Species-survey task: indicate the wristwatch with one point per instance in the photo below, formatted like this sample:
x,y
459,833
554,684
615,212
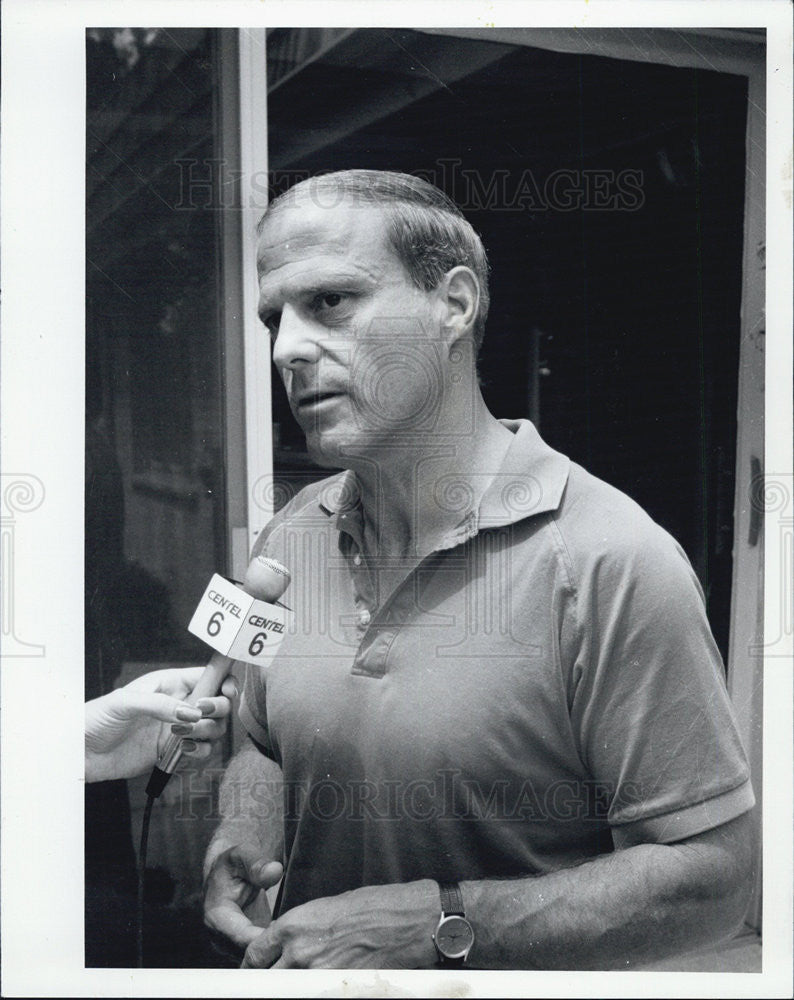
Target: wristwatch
x,y
454,935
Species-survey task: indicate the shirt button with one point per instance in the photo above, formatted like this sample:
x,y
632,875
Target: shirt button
x,y
364,617
356,559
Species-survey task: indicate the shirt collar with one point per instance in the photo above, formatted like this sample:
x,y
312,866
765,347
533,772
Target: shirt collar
x,y
530,481
340,493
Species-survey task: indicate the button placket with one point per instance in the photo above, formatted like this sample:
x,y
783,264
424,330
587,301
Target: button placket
x,y
379,627
384,628
364,588
350,541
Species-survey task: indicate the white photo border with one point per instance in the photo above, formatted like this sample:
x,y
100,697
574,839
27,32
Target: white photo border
x,y
42,426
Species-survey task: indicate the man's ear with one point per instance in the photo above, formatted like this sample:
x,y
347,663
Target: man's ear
x,y
461,299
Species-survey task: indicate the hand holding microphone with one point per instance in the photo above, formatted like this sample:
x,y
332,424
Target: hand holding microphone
x,y
123,726
265,580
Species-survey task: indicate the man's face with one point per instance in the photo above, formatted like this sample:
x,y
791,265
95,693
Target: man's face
x,y
354,340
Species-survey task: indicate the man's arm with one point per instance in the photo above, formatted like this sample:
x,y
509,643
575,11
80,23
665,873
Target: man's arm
x,y
618,911
621,910
244,855
251,806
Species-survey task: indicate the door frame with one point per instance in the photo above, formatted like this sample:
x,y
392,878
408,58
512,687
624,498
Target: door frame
x,y
249,438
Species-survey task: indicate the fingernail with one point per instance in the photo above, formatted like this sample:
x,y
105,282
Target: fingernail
x,y
189,746
188,713
181,730
205,705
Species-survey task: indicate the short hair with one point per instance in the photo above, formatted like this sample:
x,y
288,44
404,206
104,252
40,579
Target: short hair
x,y
426,229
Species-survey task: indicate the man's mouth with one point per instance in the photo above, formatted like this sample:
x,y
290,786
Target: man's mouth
x,y
309,400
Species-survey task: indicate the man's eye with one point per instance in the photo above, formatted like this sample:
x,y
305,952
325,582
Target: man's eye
x,y
328,300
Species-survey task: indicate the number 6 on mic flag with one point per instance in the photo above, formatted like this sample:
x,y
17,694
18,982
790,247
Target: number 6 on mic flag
x,y
238,625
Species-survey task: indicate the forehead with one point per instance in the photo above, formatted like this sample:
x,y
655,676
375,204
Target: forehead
x,y
305,229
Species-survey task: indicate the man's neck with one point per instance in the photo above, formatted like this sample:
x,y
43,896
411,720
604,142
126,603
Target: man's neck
x,y
413,496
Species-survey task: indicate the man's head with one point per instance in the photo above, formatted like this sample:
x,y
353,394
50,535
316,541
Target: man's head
x,y
426,229
372,306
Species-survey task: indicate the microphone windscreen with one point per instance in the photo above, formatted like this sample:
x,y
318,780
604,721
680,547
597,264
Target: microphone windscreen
x,y
266,579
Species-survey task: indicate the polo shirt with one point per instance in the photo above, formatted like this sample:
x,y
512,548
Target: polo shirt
x,y
542,688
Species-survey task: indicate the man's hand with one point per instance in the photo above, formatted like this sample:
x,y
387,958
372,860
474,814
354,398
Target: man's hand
x,y
376,927
235,904
125,730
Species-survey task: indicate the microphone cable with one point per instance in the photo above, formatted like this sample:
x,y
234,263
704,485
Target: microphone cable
x,y
265,580
147,815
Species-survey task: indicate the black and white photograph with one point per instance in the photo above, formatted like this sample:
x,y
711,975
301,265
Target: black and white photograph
x,y
408,465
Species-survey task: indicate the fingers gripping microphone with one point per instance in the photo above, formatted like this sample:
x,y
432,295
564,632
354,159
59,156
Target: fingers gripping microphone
x,y
265,580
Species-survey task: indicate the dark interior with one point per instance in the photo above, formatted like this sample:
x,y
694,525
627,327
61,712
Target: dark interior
x,y
609,195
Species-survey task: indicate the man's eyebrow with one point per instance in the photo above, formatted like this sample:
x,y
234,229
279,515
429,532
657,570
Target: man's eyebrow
x,y
313,283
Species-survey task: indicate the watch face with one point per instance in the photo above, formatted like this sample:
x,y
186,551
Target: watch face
x,y
454,937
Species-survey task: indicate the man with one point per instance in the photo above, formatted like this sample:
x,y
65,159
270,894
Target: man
x,y
498,729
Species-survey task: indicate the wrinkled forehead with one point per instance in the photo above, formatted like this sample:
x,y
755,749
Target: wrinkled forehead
x,y
304,225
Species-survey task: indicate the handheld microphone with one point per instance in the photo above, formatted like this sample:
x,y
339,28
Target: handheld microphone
x,y
266,580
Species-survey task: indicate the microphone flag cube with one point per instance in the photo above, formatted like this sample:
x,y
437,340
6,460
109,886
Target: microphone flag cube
x,y
238,625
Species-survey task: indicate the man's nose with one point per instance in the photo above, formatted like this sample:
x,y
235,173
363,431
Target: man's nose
x,y
297,342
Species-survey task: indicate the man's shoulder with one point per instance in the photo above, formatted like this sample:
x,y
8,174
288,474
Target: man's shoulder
x,y
602,527
312,504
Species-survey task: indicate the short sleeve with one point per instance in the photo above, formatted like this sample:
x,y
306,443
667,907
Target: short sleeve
x,y
253,707
253,701
650,708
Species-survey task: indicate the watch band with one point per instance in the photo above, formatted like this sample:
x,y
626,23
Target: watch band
x,y
451,899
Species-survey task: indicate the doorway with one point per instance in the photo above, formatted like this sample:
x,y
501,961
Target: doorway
x,y
610,197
